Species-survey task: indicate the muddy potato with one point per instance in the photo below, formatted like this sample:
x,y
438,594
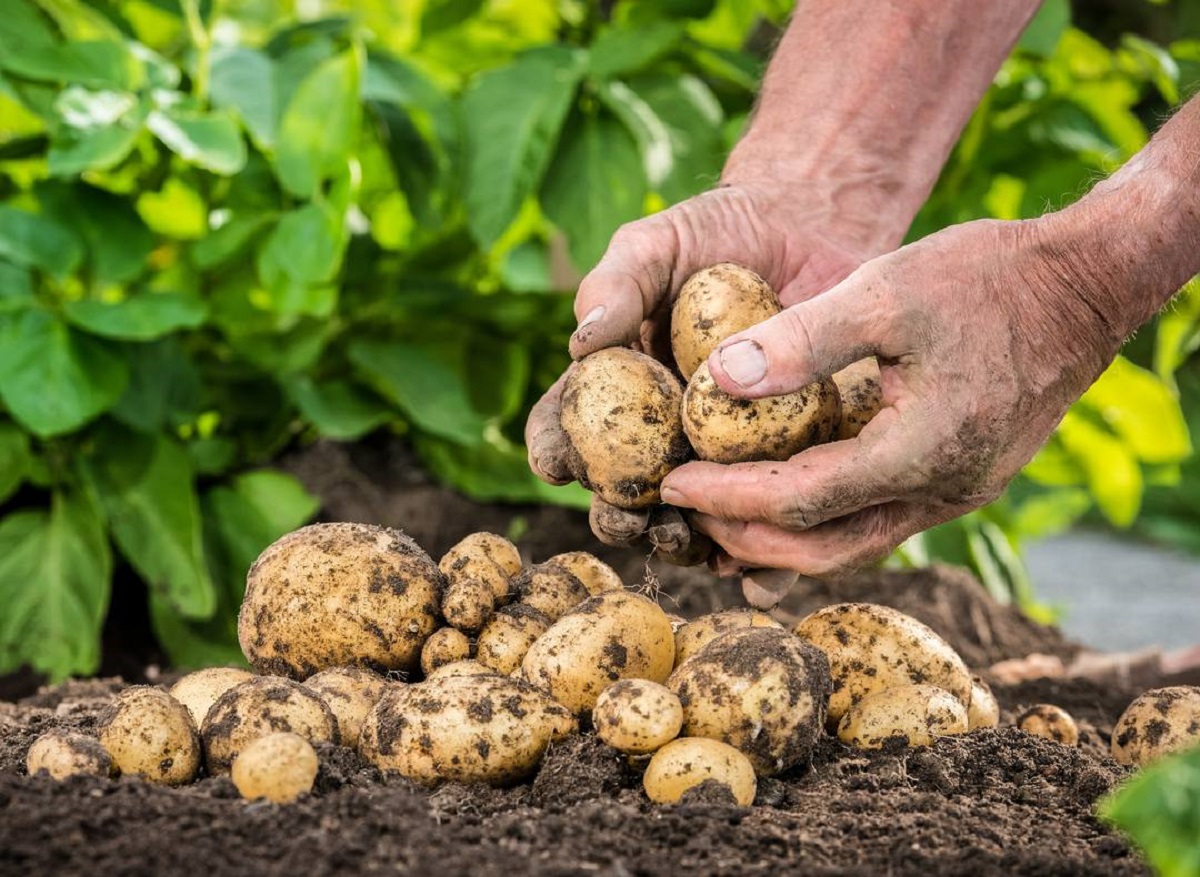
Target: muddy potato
x,y
685,763
1049,721
486,729
279,767
505,639
872,648
1158,722
699,632
485,558
350,693
725,429
614,635
713,304
596,575
61,754
468,604
261,706
637,716
333,595
860,390
150,734
549,588
469,667
620,409
198,691
918,713
982,711
444,646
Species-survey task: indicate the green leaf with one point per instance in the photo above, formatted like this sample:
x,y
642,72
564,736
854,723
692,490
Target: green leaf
x,y
164,387
338,409
594,185
52,378
98,64
651,133
442,15
57,570
623,50
1137,406
142,317
494,471
305,248
175,211
1113,475
118,242
97,149
693,117
513,117
1047,27
223,244
16,288
320,125
15,458
1050,513
208,140
243,81
38,242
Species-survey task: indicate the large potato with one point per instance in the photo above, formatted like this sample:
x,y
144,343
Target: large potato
x,y
620,409
485,558
198,691
727,429
713,304
699,632
918,714
860,390
483,729
871,648
614,635
60,754
350,693
758,689
150,734
1158,722
685,763
333,595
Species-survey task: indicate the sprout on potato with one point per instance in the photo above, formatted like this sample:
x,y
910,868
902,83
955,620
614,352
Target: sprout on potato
x,y
1156,723
350,693
199,690
685,763
1049,721
916,714
60,754
279,767
150,734
637,716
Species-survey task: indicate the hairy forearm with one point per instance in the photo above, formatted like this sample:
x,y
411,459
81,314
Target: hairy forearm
x,y
867,98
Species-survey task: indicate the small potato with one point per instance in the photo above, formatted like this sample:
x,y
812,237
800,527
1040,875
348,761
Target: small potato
x,y
713,304
727,429
350,693
334,595
461,668
445,646
685,763
614,635
699,632
983,711
261,706
917,713
150,734
620,410
1158,722
481,729
61,754
549,588
485,558
872,648
279,767
505,639
861,392
1049,721
758,689
198,691
468,604
637,716
596,575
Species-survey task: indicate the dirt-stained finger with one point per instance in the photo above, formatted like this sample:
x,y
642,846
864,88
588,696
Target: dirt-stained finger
x,y
765,588
621,528
674,539
549,448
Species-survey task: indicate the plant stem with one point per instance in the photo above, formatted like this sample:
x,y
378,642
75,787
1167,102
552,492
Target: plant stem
x,y
202,40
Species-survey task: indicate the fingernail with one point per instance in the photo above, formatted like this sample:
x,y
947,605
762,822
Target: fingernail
x,y
671,496
595,315
744,362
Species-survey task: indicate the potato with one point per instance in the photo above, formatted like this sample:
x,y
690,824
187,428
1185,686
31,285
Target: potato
x,y
468,604
637,716
549,588
699,632
1158,722
485,558
483,729
620,409
279,767
918,714
350,693
333,595
61,754
614,635
685,763
1049,721
150,734
596,575
461,668
261,706
198,691
727,429
982,711
713,304
860,390
871,648
758,689
508,636
444,646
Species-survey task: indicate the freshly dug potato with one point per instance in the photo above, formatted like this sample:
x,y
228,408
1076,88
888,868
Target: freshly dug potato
x,y
444,646
198,691
508,636
468,604
549,588
1049,721
279,767
614,635
61,754
483,729
872,648
261,706
687,762
699,632
983,711
461,668
1158,722
483,557
861,392
620,409
758,689
918,713
726,429
713,304
333,595
596,575
350,693
150,734
637,716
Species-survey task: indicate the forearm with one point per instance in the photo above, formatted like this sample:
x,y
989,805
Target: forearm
x,y
869,97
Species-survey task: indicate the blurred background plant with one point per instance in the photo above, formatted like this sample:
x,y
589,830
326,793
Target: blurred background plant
x,y
230,228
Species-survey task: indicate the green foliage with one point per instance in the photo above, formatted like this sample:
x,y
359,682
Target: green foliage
x,y
1159,810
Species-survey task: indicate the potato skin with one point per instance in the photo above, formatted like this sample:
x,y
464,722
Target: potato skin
x,y
482,557
549,588
685,763
873,647
637,716
487,729
334,595
150,734
713,304
350,693
468,604
596,575
918,713
726,429
506,639
279,767
444,646
469,667
61,754
983,711
860,389
199,690
1050,721
620,409
699,632
1156,723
